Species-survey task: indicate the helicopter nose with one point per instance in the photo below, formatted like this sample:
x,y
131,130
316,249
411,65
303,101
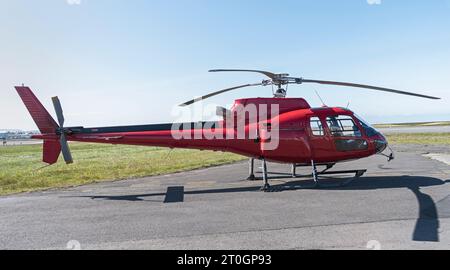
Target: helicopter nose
x,y
380,143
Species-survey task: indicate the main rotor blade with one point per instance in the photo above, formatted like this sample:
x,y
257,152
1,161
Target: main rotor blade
x,y
58,110
65,149
271,75
217,93
368,87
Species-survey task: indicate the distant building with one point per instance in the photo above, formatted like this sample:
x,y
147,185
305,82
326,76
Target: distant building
x,y
16,134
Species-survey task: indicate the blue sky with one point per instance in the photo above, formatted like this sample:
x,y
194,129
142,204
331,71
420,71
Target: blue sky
x,y
129,62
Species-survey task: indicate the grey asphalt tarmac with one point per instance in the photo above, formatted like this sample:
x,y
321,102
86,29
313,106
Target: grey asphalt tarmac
x,y
404,204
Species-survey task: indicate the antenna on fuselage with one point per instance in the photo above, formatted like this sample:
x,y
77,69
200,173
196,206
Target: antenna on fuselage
x,y
321,100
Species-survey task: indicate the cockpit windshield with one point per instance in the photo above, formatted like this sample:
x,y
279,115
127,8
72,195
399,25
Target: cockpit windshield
x,y
370,131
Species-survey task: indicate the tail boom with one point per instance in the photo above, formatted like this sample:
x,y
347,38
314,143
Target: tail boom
x,y
197,133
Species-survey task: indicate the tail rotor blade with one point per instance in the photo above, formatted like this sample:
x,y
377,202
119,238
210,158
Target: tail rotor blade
x,y
58,110
63,140
65,149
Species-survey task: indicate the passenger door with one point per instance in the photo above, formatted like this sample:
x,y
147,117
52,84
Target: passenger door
x,y
319,140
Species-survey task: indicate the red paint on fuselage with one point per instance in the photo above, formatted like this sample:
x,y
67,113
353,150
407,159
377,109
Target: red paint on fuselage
x,y
296,141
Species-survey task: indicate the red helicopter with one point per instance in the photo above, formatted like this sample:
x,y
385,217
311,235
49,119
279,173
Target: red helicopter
x,y
305,136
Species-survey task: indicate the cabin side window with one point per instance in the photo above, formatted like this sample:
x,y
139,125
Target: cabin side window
x,y
316,126
343,126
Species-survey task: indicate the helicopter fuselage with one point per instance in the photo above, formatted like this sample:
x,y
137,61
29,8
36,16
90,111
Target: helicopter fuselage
x,y
299,133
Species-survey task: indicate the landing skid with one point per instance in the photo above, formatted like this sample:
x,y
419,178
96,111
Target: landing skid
x,y
318,184
315,177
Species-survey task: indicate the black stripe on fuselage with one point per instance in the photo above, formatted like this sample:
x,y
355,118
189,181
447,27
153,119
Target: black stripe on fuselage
x,y
140,128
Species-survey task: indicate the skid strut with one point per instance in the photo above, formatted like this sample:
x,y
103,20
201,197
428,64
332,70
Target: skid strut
x,y
251,169
293,170
314,174
266,186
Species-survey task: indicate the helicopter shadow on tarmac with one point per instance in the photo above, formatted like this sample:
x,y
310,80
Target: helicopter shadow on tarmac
x,y
427,224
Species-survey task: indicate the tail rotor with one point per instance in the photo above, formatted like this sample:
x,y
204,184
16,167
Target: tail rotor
x,y
63,140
